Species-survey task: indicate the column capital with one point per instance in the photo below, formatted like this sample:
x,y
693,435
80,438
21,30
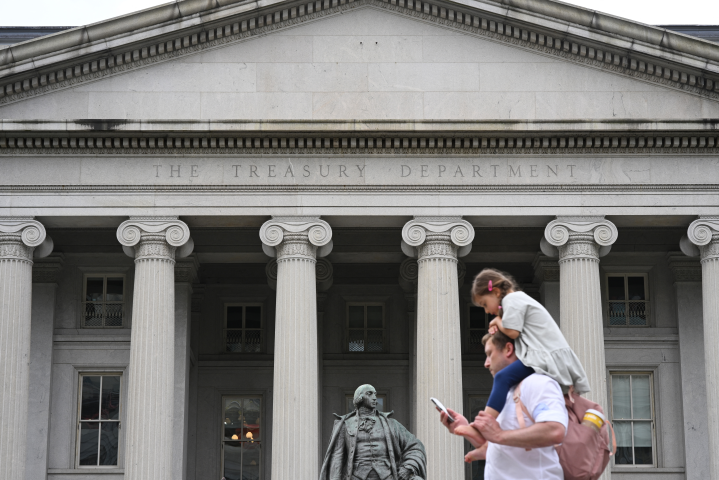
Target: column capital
x,y
546,269
186,269
296,237
324,274
590,236
23,238
155,237
45,270
702,238
437,237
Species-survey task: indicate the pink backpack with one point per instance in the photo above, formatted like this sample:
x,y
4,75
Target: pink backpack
x,y
584,454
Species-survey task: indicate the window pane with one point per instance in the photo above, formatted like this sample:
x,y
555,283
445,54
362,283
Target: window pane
x,y
253,341
356,316
356,338
109,440
253,317
641,398
93,315
114,289
380,403
623,431
110,407
233,341
616,288
621,402
476,318
233,418
113,315
475,341
374,341
93,290
635,286
637,313
233,460
374,316
90,408
252,419
643,443
617,313
234,317
88,443
350,404
250,460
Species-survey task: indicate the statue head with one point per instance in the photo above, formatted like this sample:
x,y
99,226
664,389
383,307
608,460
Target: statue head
x,y
365,396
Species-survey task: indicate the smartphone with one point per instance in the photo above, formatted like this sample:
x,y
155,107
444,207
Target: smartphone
x,y
439,405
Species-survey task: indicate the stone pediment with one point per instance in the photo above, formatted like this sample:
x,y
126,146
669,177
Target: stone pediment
x,y
325,60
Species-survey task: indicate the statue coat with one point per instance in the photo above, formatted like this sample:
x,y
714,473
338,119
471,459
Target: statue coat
x,y
405,450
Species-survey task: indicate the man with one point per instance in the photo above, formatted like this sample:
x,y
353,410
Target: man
x,y
368,445
512,452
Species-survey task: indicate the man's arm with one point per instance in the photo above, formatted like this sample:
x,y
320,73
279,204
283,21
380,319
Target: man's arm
x,y
539,435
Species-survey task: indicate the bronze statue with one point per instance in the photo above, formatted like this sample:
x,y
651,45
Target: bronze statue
x,y
368,445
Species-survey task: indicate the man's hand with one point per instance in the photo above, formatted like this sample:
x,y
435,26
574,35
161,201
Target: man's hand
x,y
488,427
405,473
459,420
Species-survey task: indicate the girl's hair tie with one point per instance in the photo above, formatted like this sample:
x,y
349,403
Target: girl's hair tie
x,y
490,286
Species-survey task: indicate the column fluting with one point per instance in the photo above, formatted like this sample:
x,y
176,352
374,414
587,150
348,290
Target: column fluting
x,y
150,400
296,242
704,233
435,242
18,239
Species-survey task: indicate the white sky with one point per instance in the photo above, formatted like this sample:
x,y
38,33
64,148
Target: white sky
x,y
83,12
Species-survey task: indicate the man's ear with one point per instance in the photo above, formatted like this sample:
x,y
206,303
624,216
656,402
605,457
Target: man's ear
x,y
508,349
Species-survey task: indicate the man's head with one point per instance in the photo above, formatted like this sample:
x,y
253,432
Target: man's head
x,y
365,396
500,352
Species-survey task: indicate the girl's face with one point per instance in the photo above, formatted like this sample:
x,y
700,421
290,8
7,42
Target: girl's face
x,y
489,302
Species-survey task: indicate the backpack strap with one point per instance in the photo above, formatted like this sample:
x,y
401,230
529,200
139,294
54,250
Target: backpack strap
x,y
612,440
520,408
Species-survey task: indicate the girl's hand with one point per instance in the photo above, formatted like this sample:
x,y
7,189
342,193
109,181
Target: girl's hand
x,y
494,325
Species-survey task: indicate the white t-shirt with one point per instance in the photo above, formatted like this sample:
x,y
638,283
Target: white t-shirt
x,y
543,398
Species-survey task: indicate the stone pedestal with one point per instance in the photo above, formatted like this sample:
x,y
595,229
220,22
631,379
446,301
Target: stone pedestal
x,y
687,273
581,241
297,242
18,239
436,243
149,436
704,233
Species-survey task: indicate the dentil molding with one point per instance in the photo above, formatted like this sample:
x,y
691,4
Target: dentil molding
x,y
448,236
291,236
587,236
23,238
155,237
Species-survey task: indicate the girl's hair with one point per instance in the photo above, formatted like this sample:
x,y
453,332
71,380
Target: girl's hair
x,y
501,281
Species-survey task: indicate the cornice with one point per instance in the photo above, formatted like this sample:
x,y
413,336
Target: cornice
x,y
369,143
679,62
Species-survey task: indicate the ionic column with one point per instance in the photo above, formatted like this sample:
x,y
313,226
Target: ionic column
x,y
581,241
19,236
297,242
436,243
704,233
149,437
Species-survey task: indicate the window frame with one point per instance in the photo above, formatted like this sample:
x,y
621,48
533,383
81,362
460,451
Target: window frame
x,y
652,421
105,275
78,414
365,304
469,328
647,298
263,333
263,435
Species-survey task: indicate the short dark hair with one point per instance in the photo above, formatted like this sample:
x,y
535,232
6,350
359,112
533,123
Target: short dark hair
x,y
499,339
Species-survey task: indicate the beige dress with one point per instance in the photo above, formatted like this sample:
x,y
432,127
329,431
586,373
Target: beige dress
x,y
540,344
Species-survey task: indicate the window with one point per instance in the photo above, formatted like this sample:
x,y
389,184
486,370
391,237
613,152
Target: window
x,y
633,418
365,327
381,403
478,328
104,301
241,437
476,404
243,328
99,420
627,300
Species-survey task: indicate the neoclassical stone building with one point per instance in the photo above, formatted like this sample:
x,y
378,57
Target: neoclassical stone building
x,y
219,217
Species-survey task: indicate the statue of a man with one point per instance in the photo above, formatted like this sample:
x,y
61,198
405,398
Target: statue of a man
x,y
368,445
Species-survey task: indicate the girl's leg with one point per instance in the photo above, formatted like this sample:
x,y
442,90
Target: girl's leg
x,y
505,379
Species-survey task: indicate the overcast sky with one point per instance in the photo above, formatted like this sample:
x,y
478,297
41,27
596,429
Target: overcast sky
x,y
83,12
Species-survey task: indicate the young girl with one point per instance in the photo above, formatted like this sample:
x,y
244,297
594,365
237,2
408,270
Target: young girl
x,y
538,342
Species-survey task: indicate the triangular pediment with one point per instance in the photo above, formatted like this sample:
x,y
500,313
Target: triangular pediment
x,y
366,59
